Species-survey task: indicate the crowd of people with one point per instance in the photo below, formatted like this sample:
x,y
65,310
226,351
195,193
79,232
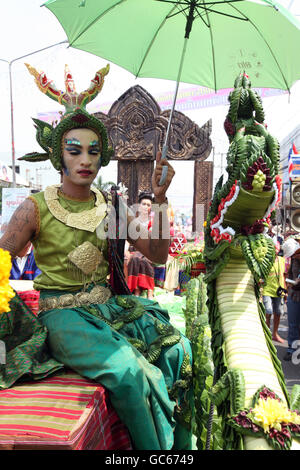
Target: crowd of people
x,y
281,290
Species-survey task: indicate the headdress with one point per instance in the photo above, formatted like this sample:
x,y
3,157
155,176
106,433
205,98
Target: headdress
x,y
75,116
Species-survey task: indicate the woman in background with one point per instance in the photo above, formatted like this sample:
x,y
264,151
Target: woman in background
x,y
140,269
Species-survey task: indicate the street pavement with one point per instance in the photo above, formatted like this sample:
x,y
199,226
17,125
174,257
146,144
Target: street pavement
x,y
291,369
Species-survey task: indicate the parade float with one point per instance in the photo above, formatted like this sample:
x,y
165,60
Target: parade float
x,y
248,387
240,392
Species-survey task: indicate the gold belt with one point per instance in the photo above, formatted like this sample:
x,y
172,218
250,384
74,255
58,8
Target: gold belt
x,y
98,295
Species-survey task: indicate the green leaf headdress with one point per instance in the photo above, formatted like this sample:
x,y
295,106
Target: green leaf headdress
x,y
75,116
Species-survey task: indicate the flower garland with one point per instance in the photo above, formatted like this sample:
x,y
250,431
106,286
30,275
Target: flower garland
x,y
218,232
6,292
276,199
270,417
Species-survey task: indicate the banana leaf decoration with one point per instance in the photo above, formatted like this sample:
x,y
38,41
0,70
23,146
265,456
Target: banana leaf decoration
x,y
44,138
239,255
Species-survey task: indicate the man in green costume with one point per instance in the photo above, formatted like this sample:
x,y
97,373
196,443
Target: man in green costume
x,y
95,328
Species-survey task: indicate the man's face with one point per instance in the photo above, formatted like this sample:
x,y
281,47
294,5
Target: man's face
x,y
81,156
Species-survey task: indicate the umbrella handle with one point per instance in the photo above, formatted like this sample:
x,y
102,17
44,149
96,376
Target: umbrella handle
x,y
165,167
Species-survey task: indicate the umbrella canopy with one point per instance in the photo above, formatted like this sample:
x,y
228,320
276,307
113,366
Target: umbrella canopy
x,y
147,37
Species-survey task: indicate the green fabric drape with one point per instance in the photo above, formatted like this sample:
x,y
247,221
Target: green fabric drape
x,y
82,339
25,341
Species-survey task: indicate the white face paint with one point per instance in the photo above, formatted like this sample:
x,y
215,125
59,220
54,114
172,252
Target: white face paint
x,y
81,156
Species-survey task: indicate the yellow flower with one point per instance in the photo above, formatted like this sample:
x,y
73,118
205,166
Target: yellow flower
x,y
270,413
6,292
295,418
5,265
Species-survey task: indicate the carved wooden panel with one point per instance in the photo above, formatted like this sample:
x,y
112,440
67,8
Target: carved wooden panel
x,y
188,141
203,186
137,128
134,125
134,175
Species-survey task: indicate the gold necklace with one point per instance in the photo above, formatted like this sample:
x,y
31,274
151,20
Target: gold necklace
x,y
85,258
86,220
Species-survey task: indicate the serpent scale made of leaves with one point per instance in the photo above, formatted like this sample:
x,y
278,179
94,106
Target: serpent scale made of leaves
x,y
238,255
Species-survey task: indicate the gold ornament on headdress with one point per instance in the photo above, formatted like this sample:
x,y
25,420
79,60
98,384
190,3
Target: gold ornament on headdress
x,y
69,98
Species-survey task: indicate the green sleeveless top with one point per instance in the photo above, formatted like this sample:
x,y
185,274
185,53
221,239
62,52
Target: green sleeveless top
x,y
54,241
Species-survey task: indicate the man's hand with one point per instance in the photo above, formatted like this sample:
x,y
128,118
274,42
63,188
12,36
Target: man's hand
x,y
160,191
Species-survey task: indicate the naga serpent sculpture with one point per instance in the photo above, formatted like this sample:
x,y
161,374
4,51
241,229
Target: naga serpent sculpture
x,y
249,389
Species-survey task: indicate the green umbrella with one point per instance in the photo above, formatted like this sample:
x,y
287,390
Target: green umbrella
x,y
204,42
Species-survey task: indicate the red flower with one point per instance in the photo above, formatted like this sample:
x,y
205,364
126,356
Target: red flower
x,y
294,428
214,220
226,236
266,393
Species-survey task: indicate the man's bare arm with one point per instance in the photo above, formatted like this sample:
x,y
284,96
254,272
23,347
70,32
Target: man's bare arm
x,y
156,247
20,229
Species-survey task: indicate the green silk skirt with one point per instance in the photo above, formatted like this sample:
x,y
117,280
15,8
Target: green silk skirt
x,y
129,346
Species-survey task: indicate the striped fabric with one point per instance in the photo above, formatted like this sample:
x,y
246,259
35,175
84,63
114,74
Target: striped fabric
x,y
31,299
64,411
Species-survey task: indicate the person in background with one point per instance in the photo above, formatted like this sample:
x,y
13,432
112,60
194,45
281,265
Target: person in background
x,y
274,291
140,270
178,240
24,266
291,249
276,234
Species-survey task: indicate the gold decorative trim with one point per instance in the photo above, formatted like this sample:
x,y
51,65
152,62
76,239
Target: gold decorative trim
x,y
98,295
75,199
86,257
86,220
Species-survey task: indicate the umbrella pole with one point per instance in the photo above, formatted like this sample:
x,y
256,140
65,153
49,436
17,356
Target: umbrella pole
x,y
165,146
188,27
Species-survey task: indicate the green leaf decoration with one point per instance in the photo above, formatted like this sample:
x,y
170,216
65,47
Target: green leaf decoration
x,y
43,133
35,157
259,252
295,398
231,384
